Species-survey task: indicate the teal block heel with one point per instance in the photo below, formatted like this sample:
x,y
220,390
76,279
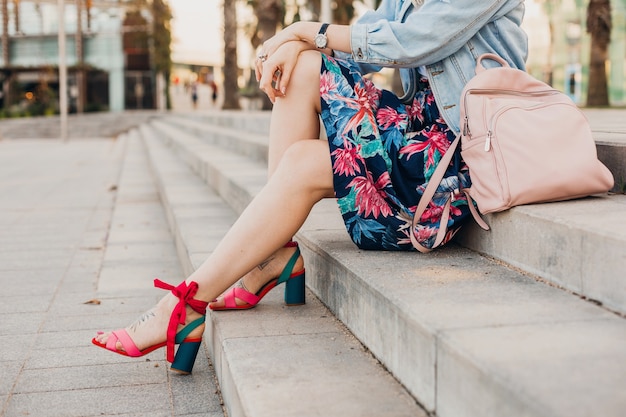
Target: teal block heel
x,y
295,290
294,287
186,357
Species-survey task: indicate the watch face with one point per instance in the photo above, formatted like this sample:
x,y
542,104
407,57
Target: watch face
x,y
320,41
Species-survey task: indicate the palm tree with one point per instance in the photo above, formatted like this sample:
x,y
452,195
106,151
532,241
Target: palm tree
x,y
343,11
231,71
269,14
550,7
80,59
599,27
5,51
162,40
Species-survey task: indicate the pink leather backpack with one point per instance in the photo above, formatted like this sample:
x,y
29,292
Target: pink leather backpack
x,y
523,141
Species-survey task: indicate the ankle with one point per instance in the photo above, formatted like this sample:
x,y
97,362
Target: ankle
x,y
168,303
271,268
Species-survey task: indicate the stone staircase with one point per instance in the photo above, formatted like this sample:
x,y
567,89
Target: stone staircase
x,y
525,320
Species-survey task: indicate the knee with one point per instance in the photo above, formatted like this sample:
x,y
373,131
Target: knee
x,y
306,165
307,71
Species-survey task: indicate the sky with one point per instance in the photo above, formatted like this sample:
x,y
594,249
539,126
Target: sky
x,y
196,31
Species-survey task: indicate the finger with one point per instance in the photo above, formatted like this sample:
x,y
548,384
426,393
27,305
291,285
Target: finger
x,y
258,65
266,86
265,81
276,84
271,94
258,71
284,81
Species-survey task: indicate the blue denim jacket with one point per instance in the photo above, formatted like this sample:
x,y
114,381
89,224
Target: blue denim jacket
x,y
445,36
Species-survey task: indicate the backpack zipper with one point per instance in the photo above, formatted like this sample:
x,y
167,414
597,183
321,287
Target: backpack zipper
x,y
466,129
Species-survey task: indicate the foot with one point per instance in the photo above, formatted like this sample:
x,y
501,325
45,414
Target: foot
x,y
271,268
150,328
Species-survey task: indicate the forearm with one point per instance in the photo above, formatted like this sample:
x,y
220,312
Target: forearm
x,y
338,35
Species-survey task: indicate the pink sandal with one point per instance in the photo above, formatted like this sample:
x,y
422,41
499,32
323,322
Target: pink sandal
x,y
294,288
188,348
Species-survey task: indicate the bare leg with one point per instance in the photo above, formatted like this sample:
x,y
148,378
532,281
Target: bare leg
x,y
301,175
296,116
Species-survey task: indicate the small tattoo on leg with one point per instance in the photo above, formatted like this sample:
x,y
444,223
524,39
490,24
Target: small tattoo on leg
x,y
144,318
265,263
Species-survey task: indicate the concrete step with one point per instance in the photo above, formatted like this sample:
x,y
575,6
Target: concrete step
x,y
247,177
560,242
579,245
248,121
465,335
242,139
274,360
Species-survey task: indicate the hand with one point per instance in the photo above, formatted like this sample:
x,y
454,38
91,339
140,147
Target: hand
x,y
271,45
274,72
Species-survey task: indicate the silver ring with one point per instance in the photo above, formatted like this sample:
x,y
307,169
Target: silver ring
x,y
262,57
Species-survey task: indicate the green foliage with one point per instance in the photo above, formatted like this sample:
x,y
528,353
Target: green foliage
x,y
162,36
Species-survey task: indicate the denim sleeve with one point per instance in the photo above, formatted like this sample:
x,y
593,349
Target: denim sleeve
x,y
384,12
424,36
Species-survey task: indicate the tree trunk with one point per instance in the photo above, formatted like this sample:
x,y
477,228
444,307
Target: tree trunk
x,y
269,14
599,27
230,69
5,52
5,33
80,71
343,11
16,12
162,51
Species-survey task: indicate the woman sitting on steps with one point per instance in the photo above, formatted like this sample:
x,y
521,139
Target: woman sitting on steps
x,y
381,151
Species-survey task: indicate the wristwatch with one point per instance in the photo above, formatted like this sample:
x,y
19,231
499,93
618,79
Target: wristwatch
x,y
321,40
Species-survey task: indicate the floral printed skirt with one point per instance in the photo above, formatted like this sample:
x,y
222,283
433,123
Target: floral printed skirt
x,y
383,153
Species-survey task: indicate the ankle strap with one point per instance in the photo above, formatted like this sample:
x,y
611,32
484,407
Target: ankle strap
x,y
284,276
185,295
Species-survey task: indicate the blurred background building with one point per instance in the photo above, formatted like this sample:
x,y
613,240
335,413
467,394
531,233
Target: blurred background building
x,y
108,55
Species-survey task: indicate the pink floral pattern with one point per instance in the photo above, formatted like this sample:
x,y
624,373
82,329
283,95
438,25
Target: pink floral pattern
x,y
383,154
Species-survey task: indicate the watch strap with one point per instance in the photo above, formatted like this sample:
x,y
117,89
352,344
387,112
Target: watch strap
x,y
321,40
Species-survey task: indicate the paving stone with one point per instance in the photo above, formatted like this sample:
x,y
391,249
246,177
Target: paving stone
x,y
131,372
141,400
30,282
9,371
12,324
35,259
123,278
24,303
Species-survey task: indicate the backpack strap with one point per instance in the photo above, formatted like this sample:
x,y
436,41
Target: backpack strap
x,y
474,211
429,192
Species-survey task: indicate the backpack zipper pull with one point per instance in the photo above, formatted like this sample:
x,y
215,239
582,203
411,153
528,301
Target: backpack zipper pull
x,y
466,131
488,142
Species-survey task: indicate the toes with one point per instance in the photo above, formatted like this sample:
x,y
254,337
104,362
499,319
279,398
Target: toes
x,y
217,303
102,337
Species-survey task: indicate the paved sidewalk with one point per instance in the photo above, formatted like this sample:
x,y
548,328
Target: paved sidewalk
x,y
81,221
